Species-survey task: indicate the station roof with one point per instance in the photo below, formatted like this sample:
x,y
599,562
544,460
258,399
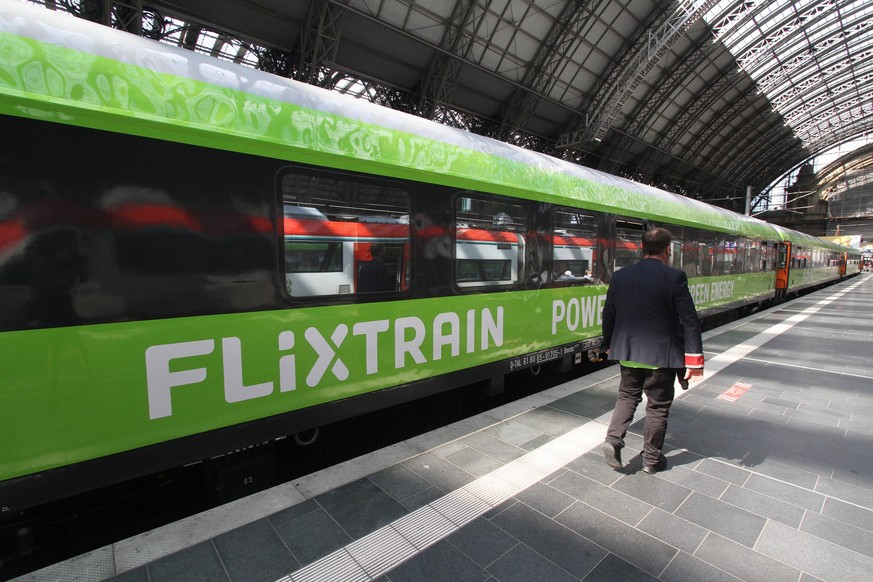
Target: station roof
x,y
702,98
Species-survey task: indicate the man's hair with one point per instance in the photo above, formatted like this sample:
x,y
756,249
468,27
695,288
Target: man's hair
x,y
377,249
656,240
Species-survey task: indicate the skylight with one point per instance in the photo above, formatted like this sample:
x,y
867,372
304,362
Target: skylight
x,y
813,59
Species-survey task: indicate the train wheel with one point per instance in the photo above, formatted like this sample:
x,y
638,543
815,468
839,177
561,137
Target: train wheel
x,y
307,437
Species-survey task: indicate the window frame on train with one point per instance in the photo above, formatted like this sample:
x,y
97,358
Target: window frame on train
x,y
628,231
573,263
348,216
489,237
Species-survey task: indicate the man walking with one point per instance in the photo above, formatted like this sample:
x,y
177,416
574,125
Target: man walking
x,y
651,326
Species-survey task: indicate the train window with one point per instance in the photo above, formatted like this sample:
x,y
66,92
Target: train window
x,y
711,250
489,241
782,258
344,234
728,255
691,254
769,260
676,256
574,247
754,256
628,243
741,256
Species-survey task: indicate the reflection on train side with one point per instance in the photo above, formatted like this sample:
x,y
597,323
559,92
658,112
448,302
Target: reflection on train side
x,y
488,257
573,258
329,257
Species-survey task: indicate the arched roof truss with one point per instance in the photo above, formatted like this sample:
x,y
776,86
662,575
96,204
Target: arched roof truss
x,y
811,59
644,50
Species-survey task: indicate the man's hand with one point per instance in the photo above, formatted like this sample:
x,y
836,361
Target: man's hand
x,y
693,374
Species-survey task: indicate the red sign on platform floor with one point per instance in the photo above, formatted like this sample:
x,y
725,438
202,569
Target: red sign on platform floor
x,y
734,392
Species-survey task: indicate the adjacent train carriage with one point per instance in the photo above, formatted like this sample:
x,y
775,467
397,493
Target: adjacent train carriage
x,y
183,244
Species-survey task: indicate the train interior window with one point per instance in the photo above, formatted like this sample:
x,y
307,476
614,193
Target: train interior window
x,y
769,260
489,241
754,256
344,234
802,256
728,255
711,251
574,248
741,261
782,257
676,255
691,254
628,243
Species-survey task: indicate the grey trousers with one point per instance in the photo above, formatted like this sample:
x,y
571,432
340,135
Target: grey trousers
x,y
658,386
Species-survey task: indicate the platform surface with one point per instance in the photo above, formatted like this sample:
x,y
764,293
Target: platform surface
x,y
770,477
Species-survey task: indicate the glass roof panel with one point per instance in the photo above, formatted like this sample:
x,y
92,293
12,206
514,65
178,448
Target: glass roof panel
x,y
809,57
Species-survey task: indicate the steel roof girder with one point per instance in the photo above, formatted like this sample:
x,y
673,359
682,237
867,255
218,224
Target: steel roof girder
x,y
682,69
836,88
648,49
845,112
703,103
675,79
319,40
540,74
823,91
830,64
728,147
808,60
805,36
826,136
784,26
125,14
761,166
770,168
439,83
745,157
723,117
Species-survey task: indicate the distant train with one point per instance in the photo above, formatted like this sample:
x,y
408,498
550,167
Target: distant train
x,y
182,242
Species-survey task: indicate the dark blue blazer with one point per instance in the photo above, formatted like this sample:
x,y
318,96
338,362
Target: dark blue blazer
x,y
649,317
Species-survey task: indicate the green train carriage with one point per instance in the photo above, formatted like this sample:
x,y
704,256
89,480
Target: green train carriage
x,y
181,243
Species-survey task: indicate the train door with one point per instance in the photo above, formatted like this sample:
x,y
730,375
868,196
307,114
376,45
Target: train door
x,y
783,268
381,265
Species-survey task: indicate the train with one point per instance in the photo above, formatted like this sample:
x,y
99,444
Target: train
x,y
183,242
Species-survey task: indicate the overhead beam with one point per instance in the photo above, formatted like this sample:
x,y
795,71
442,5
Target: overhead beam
x,y
125,15
439,82
641,119
319,39
636,63
539,78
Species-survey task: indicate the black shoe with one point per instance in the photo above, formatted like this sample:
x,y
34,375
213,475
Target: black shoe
x,y
659,466
612,455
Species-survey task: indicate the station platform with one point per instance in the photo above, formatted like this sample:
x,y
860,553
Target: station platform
x,y
770,477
